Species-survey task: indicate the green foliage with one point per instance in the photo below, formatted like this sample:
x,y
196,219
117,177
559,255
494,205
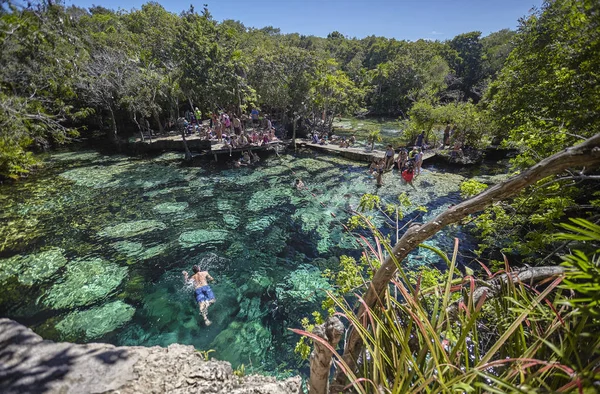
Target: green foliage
x,y
205,354
583,276
471,187
546,96
67,69
434,336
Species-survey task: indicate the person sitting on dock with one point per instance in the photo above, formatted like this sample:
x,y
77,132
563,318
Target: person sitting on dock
x,y
343,143
315,138
265,139
352,140
323,141
255,158
237,125
413,153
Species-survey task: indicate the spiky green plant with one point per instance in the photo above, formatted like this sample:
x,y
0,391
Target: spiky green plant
x,y
524,337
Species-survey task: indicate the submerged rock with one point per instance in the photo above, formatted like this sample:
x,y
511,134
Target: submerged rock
x,y
171,207
137,249
189,239
85,281
95,322
33,268
242,343
131,229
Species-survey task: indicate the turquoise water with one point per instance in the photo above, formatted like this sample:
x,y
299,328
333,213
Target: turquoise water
x,y
94,245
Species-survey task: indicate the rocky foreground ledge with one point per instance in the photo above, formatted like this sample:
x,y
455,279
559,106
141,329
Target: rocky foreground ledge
x,y
29,364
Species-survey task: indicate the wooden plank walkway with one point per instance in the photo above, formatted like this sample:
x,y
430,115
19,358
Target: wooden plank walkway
x,y
357,154
219,148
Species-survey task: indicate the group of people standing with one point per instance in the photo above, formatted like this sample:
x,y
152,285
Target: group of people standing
x,y
408,164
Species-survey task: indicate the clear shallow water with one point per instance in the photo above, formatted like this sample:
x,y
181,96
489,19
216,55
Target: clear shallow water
x,y
391,129
93,248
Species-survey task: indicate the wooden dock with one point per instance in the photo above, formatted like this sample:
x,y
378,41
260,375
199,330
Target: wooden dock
x,y
357,154
201,146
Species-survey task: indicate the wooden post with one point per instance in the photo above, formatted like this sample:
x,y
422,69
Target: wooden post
x,y
320,358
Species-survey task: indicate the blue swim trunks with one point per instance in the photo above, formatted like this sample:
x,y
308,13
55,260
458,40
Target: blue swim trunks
x,y
204,293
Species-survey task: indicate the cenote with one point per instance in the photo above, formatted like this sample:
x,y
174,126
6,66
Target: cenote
x,y
94,246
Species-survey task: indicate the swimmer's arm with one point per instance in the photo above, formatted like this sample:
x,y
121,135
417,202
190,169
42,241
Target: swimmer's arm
x,y
209,277
186,277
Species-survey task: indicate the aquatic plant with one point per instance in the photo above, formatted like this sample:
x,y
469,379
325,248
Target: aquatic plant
x,y
95,322
132,229
171,207
192,238
304,285
85,281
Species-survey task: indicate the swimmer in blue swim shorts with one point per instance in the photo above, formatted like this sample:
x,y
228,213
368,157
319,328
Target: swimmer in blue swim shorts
x,y
203,293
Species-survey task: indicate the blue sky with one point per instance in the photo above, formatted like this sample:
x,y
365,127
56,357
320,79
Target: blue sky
x,y
401,19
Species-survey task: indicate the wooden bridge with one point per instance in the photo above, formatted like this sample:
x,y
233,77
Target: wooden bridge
x,y
356,154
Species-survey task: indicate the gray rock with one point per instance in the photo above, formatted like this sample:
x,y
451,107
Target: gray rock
x,y
29,364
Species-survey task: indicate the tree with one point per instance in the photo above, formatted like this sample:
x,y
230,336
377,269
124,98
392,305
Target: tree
x,y
467,64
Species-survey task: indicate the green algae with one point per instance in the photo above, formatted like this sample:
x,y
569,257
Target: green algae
x,y
85,281
95,322
132,229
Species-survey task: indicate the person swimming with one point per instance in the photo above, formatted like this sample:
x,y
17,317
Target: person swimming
x,y
203,293
299,184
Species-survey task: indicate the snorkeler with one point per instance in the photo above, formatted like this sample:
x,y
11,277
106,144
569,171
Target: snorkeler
x,y
203,293
299,184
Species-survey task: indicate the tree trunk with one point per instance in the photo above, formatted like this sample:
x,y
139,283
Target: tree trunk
x,y
320,358
188,154
585,154
161,129
138,126
294,132
113,122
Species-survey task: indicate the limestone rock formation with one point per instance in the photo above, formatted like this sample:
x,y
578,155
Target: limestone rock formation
x,y
29,364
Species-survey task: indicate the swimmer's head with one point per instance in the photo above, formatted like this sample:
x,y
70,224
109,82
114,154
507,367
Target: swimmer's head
x,y
196,269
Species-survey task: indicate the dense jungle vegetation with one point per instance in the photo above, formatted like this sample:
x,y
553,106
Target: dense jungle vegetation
x,y
68,72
